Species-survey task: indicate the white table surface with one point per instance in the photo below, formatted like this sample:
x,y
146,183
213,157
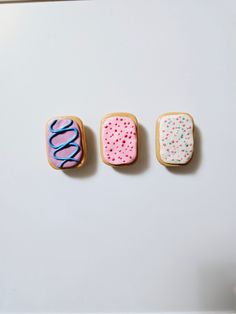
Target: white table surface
x,y
141,239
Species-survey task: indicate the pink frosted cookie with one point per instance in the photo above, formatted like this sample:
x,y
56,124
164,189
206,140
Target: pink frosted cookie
x,y
66,144
119,139
175,141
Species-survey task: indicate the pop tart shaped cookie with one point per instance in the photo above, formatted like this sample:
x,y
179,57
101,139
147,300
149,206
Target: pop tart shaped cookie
x,y
66,142
119,139
174,139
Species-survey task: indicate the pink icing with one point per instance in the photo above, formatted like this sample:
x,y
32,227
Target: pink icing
x,y
62,138
119,140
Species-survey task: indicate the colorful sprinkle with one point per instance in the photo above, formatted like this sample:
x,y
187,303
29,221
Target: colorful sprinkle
x,y
176,145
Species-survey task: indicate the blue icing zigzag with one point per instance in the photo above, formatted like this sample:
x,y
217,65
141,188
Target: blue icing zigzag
x,y
71,142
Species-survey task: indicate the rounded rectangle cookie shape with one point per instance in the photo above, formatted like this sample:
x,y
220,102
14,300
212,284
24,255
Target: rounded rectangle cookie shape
x,y
66,143
119,139
174,139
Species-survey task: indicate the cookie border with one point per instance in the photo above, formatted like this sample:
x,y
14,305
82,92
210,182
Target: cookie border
x,y
158,155
119,114
83,142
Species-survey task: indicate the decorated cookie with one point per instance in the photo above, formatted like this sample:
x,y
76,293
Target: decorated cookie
x,y
66,144
119,139
174,139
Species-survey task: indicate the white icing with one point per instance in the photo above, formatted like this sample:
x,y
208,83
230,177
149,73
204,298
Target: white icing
x,y
176,138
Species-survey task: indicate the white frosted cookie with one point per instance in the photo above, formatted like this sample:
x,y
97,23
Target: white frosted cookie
x,y
174,138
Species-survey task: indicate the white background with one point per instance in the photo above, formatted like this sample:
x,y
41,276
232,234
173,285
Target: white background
x,y
143,238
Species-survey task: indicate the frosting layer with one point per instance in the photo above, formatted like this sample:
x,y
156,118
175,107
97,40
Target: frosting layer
x,y
64,143
176,138
119,140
